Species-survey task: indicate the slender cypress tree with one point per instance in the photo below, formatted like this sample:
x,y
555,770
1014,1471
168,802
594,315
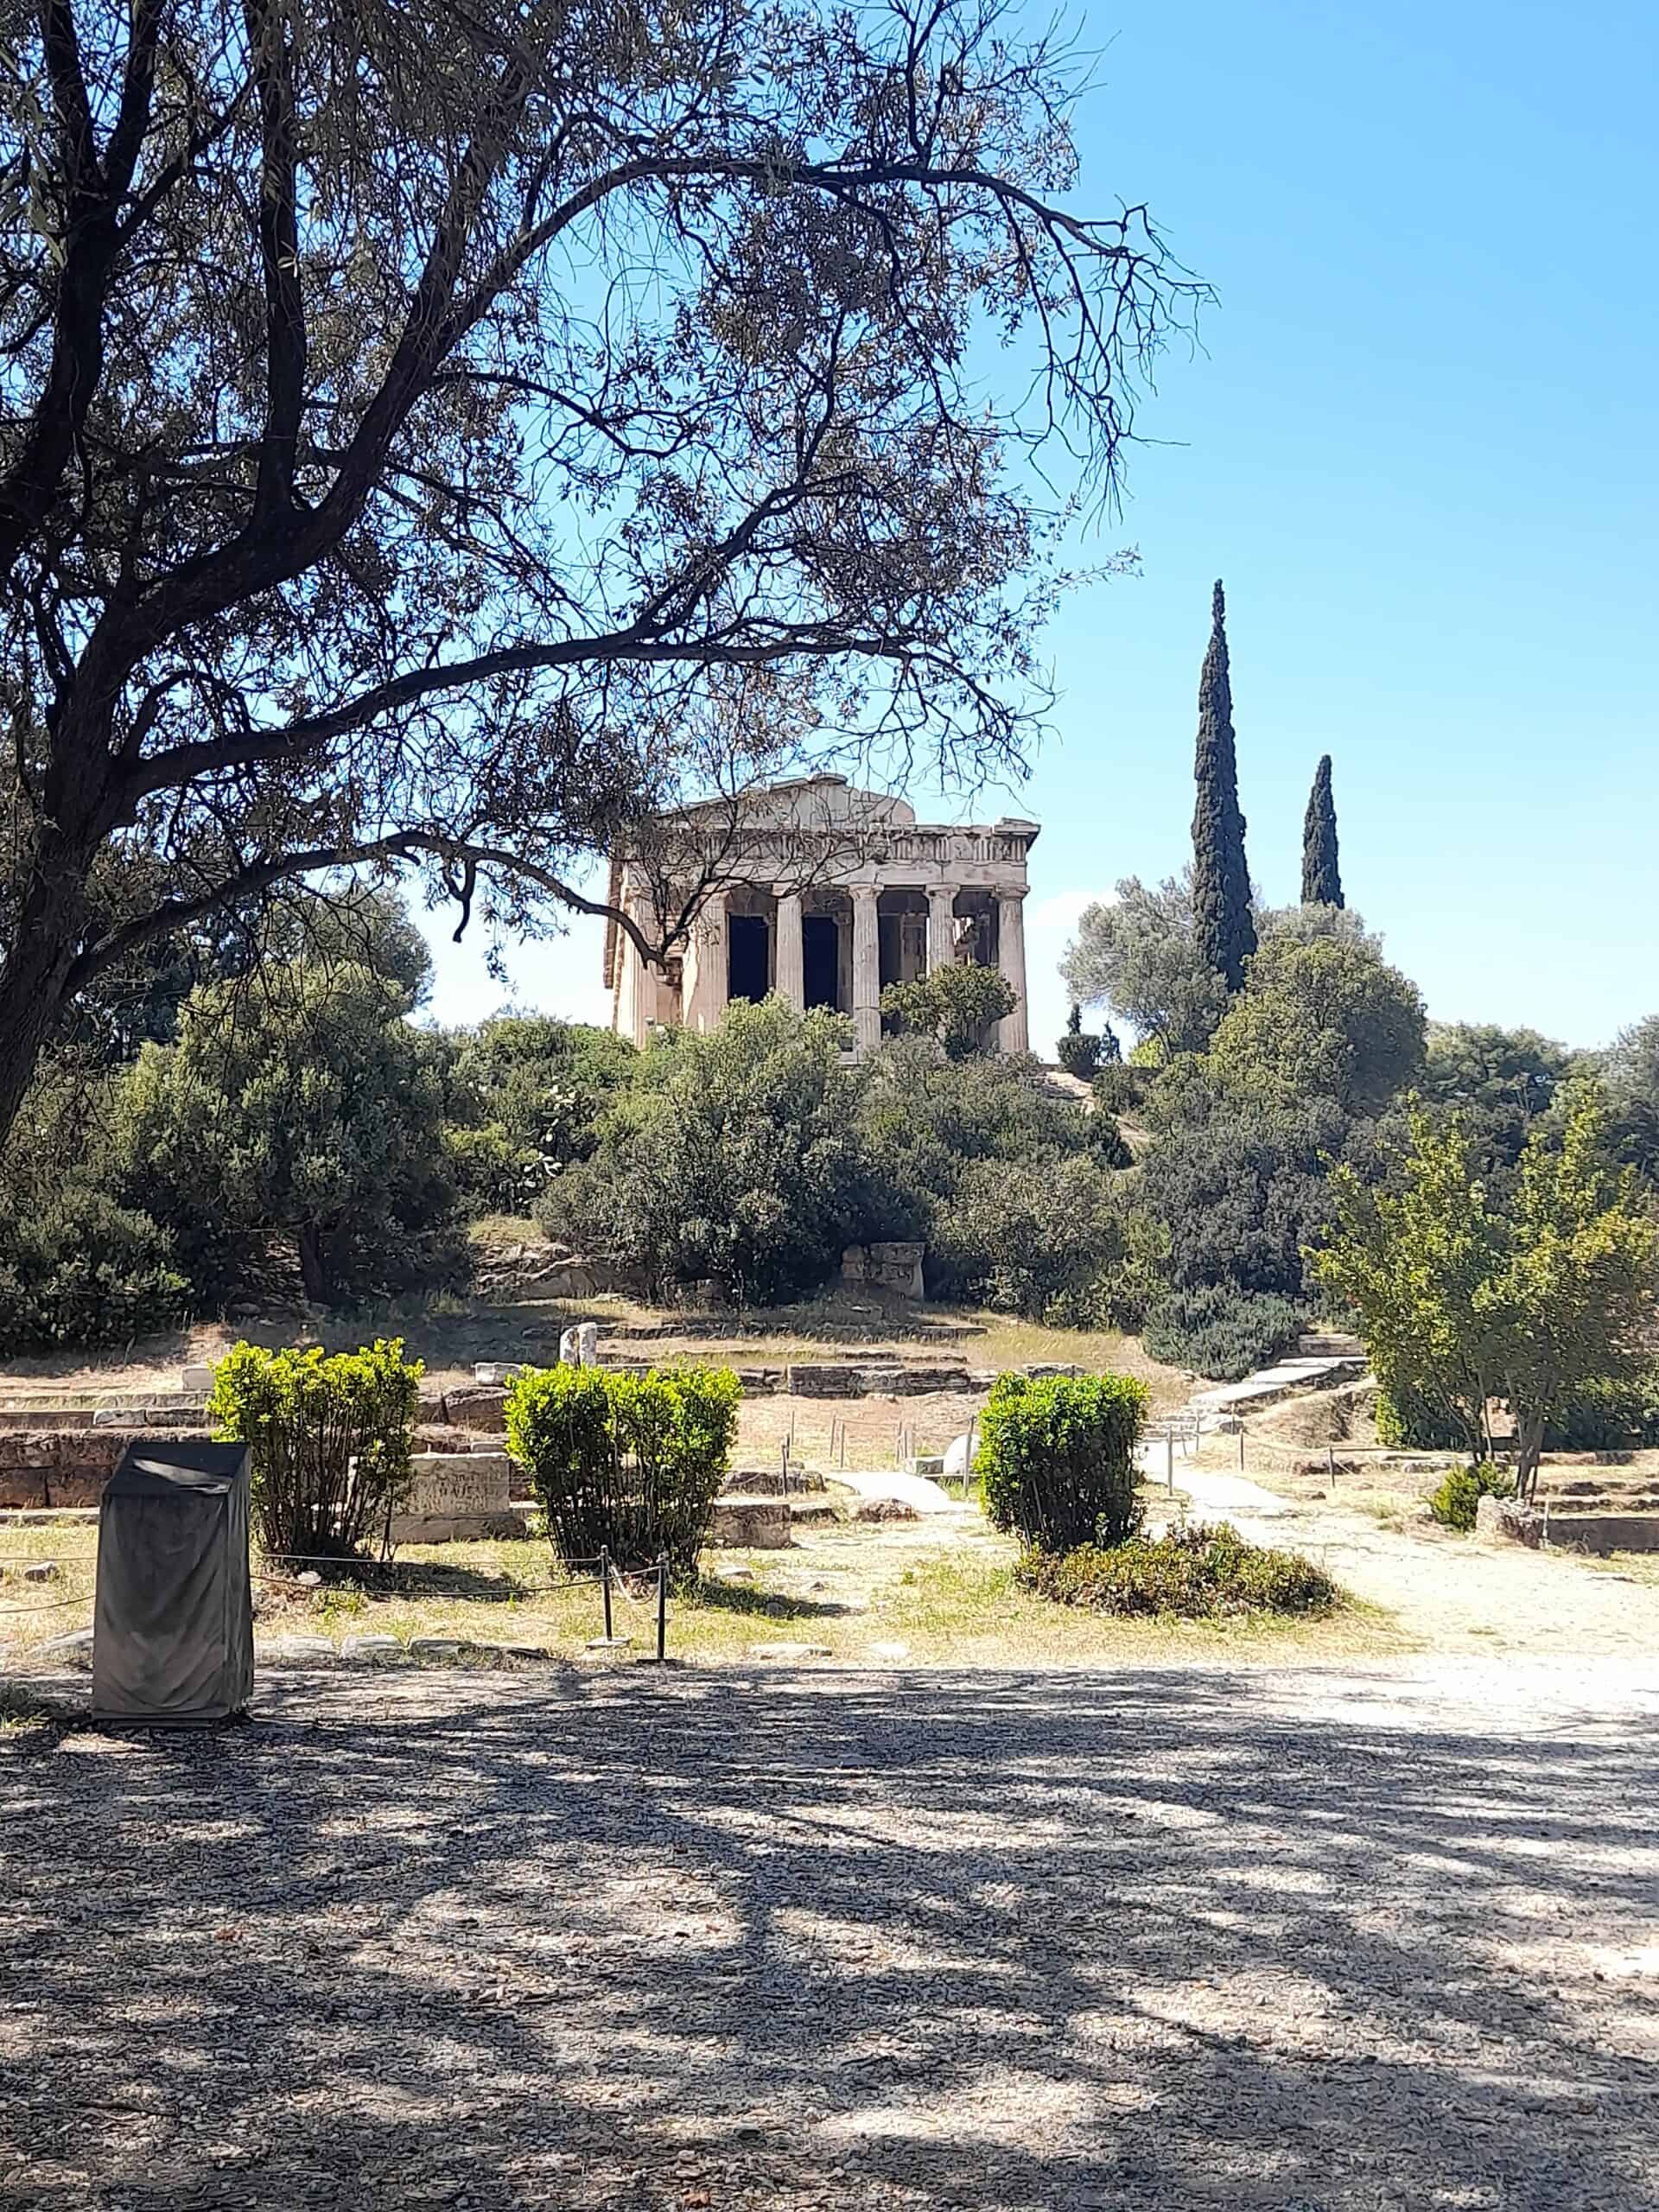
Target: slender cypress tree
x,y
1221,880
1321,875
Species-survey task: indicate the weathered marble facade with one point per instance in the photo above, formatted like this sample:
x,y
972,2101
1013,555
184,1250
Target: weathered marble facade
x,y
826,894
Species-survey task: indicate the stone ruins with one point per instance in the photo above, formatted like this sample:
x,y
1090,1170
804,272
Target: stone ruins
x,y
823,893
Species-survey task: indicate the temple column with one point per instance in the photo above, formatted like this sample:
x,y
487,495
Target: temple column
x,y
706,977
791,961
941,926
1014,1032
867,969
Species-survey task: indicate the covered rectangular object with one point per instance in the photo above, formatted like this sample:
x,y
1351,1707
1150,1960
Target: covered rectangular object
x,y
173,1618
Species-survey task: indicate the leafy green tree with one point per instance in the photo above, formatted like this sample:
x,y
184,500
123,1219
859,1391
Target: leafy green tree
x,y
524,1096
926,1119
303,400
1412,1262
302,1114
1500,1080
737,1158
1632,1074
1575,1299
1462,1299
959,1004
1036,1235
1224,924
1238,1195
1139,956
1321,872
1322,1020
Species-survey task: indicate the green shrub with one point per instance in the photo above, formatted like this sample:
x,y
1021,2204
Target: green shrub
x,y
1615,1414
1080,1051
1409,1421
331,1437
736,1158
960,1005
1456,1503
629,1463
1118,1087
1221,1332
1056,1461
81,1270
1194,1572
1017,1234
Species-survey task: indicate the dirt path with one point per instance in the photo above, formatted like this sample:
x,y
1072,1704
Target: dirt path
x,y
1343,1941
1448,1592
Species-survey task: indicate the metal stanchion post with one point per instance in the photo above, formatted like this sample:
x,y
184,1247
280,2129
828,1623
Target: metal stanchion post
x,y
605,1580
662,1606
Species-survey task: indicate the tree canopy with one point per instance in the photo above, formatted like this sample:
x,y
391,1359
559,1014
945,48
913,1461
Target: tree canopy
x,y
1321,1018
1140,957
442,440
1223,915
1464,1295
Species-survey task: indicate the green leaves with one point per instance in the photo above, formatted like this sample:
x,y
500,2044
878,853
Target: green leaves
x,y
331,1436
1462,1297
1056,1461
631,1463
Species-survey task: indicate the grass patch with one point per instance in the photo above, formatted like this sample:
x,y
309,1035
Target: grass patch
x,y
1194,1572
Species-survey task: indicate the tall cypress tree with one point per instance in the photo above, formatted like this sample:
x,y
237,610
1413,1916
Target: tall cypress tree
x,y
1321,875
1221,881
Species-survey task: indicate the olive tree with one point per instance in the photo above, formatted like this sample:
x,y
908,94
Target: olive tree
x,y
442,440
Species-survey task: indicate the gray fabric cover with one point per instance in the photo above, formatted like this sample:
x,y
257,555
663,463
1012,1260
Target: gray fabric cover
x,y
173,1618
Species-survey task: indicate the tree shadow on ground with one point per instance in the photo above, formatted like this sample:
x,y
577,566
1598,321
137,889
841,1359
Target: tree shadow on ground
x,y
766,1605
1190,1938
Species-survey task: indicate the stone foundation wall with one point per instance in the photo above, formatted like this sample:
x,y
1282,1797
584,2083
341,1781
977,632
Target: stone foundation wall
x,y
456,1496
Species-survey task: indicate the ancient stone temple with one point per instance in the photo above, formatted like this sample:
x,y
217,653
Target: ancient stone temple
x,y
821,893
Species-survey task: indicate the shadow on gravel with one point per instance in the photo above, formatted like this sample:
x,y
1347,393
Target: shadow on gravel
x,y
1174,1939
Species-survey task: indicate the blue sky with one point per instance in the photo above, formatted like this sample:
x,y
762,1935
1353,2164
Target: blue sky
x,y
1418,446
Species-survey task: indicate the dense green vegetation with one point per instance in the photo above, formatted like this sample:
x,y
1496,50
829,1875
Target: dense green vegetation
x,y
1192,1572
1056,1462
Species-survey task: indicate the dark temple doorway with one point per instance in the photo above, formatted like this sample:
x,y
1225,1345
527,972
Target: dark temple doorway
x,y
749,958
820,959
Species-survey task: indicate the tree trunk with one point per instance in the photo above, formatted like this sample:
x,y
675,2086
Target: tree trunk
x,y
308,1244
33,981
1528,1450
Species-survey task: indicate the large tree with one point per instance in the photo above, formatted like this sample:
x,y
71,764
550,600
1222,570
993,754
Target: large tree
x,y
1323,1018
440,438
1462,1296
1221,877
1138,956
1321,866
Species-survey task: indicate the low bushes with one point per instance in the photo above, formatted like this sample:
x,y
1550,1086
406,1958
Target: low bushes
x,y
331,1437
1221,1332
1056,1461
1456,1503
81,1270
1194,1573
631,1463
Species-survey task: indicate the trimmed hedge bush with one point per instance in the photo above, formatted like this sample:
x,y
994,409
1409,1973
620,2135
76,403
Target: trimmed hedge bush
x,y
1055,1460
1456,1503
1220,1332
629,1463
1194,1573
331,1437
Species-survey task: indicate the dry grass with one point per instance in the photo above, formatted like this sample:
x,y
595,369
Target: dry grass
x,y
870,1595
451,1335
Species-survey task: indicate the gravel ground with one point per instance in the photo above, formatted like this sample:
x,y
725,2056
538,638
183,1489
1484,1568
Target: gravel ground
x,y
1214,1937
